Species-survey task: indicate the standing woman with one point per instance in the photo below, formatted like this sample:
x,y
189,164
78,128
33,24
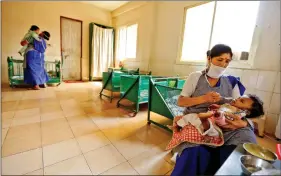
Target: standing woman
x,y
202,89
34,72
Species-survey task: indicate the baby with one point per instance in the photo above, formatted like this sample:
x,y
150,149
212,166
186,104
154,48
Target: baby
x,y
203,128
29,37
246,106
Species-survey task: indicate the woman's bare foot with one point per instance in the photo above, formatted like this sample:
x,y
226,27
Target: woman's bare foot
x,y
36,87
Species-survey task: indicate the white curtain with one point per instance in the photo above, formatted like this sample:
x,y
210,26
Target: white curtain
x,y
121,43
102,51
126,45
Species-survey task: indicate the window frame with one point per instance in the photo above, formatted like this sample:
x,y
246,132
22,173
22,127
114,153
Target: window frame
x,y
116,42
248,64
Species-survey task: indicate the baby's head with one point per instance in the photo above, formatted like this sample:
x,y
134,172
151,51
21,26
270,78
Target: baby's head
x,y
35,29
251,103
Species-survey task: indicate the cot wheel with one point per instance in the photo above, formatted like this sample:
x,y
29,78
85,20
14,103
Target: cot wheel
x,y
261,136
148,123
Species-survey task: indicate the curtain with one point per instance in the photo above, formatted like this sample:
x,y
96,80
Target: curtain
x,y
126,44
121,44
101,48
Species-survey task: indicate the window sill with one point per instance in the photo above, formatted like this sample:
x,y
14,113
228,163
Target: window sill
x,y
130,60
233,64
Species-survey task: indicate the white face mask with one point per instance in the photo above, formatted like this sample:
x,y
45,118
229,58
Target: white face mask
x,y
215,71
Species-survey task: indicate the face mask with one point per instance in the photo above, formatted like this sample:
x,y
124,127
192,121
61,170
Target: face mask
x,y
215,71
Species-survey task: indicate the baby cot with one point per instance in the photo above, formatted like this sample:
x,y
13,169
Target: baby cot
x,y
111,80
15,72
163,96
135,89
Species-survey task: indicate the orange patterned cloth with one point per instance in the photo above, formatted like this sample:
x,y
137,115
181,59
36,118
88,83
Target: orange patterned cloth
x,y
190,134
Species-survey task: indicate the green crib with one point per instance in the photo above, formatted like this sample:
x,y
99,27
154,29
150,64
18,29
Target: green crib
x,y
163,95
135,89
15,72
111,80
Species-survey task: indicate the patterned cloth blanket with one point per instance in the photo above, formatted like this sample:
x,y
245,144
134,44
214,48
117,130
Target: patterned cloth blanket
x,y
190,134
172,104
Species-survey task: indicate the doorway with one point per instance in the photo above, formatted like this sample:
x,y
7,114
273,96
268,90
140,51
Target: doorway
x,y
71,48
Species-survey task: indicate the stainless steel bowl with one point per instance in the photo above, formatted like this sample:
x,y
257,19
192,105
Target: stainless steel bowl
x,y
260,152
251,164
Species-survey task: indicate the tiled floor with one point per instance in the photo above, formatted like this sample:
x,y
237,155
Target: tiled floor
x,y
69,130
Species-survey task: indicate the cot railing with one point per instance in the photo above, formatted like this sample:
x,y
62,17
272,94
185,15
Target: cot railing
x,y
16,71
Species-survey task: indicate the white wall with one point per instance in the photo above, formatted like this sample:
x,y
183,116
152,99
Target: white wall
x,y
144,15
163,43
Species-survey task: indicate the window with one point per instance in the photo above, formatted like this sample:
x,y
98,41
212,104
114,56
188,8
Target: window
x,y
228,22
126,42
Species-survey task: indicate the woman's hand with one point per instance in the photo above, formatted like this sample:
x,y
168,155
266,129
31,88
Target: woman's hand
x,y
212,97
234,124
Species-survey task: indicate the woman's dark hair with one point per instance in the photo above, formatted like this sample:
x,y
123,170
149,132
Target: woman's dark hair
x,y
46,35
257,107
208,53
34,28
220,49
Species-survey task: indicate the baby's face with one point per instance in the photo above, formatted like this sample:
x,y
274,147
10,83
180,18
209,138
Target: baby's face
x,y
244,103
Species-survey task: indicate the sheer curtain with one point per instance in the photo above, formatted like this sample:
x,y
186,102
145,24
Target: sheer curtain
x,y
102,51
126,45
121,44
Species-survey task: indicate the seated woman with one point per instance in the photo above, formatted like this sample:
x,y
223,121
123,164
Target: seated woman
x,y
204,128
202,89
34,71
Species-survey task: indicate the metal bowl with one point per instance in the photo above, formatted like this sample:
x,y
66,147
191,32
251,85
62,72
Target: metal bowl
x,y
251,164
260,152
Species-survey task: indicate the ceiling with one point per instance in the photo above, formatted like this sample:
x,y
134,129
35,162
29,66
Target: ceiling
x,y
107,5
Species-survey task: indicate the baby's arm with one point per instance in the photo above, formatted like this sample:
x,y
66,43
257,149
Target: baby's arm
x,y
35,36
205,115
214,107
